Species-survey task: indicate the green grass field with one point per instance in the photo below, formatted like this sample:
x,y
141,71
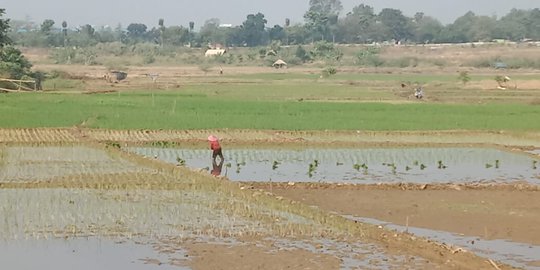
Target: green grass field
x,y
188,110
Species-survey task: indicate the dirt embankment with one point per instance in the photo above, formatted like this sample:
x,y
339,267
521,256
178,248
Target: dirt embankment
x,y
507,212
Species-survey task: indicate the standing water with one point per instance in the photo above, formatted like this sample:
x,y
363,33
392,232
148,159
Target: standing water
x,y
382,165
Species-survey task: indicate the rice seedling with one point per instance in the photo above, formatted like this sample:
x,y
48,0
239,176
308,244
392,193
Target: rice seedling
x,y
440,165
275,165
363,166
312,168
497,164
534,162
488,166
180,161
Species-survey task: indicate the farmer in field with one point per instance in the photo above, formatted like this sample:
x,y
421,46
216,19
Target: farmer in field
x,y
215,147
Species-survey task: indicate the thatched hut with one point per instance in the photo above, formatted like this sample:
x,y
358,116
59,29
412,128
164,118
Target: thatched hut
x,y
279,64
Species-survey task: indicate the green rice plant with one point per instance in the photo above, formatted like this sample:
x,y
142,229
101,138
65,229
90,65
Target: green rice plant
x,y
275,165
312,167
180,161
488,165
241,110
497,164
422,166
113,144
534,164
440,165
239,165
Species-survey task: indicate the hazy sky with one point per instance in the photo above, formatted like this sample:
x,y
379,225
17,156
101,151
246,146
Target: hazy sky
x,y
180,12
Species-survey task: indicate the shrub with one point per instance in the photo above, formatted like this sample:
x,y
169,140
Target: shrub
x,y
63,55
329,71
369,56
464,77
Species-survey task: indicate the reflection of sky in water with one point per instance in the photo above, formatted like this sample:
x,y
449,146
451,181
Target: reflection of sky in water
x,y
80,254
515,254
337,165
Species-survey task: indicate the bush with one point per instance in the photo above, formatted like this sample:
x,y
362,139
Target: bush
x,y
326,51
302,54
464,77
329,71
369,56
63,55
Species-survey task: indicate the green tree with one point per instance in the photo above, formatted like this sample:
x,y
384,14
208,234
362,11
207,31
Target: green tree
x,y
136,32
398,26
297,34
254,30
427,29
47,26
322,17
13,64
64,32
459,31
513,26
277,33
161,24
176,35
482,29
358,25
4,28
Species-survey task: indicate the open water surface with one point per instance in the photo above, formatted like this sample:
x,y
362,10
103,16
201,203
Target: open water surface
x,y
370,165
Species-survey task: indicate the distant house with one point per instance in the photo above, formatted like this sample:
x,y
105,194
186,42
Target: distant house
x,y
214,52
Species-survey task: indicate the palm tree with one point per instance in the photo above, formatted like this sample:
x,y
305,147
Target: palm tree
x,y
64,31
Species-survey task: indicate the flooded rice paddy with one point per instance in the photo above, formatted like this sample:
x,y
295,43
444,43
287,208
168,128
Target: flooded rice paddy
x,y
71,227
381,165
81,254
514,254
135,228
32,163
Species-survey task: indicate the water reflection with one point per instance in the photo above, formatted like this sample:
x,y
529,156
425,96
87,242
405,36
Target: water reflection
x,y
216,167
512,253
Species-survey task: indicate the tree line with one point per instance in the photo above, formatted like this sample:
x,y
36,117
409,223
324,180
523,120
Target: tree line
x,y
323,21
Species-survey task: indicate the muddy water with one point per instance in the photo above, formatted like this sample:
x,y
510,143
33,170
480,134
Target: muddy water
x,y
515,254
415,165
81,254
